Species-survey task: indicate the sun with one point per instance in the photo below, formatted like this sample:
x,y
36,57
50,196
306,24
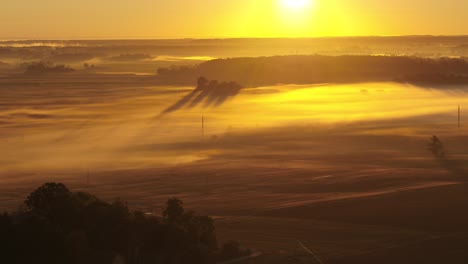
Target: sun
x,y
296,4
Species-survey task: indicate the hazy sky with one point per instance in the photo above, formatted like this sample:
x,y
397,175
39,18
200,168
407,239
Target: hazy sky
x,y
228,18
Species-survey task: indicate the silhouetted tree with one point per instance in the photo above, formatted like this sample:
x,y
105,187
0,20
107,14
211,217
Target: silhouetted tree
x,y
436,147
174,212
201,82
52,201
58,226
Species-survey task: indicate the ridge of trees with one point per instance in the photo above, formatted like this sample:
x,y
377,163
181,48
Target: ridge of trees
x,y
307,69
55,225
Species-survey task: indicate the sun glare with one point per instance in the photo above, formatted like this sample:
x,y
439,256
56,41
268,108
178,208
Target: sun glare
x,y
295,17
296,4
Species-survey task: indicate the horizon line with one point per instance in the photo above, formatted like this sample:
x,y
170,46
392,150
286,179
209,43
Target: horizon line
x,y
222,38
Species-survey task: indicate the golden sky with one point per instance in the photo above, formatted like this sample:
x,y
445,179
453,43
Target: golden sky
x,y
229,18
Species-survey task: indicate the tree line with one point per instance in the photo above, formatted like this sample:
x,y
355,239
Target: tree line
x,y
55,225
308,69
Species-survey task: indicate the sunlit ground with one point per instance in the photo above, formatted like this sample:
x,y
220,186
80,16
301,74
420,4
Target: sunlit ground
x,y
77,128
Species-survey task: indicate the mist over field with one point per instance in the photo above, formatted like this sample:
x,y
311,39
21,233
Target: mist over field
x,y
233,132
72,127
293,146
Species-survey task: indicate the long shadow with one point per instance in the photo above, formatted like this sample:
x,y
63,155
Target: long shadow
x,y
206,94
181,103
455,167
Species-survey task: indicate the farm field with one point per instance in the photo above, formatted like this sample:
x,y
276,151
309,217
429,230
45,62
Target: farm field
x,y
271,164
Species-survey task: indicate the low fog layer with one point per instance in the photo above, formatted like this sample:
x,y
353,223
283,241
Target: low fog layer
x,y
77,127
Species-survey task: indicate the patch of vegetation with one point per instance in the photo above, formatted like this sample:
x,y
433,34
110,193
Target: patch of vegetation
x,y
46,67
56,225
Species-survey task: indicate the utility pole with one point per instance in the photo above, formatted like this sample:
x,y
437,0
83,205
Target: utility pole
x,y
203,127
459,116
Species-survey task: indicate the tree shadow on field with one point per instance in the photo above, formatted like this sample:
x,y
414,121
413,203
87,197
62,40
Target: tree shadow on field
x,y
455,167
206,94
